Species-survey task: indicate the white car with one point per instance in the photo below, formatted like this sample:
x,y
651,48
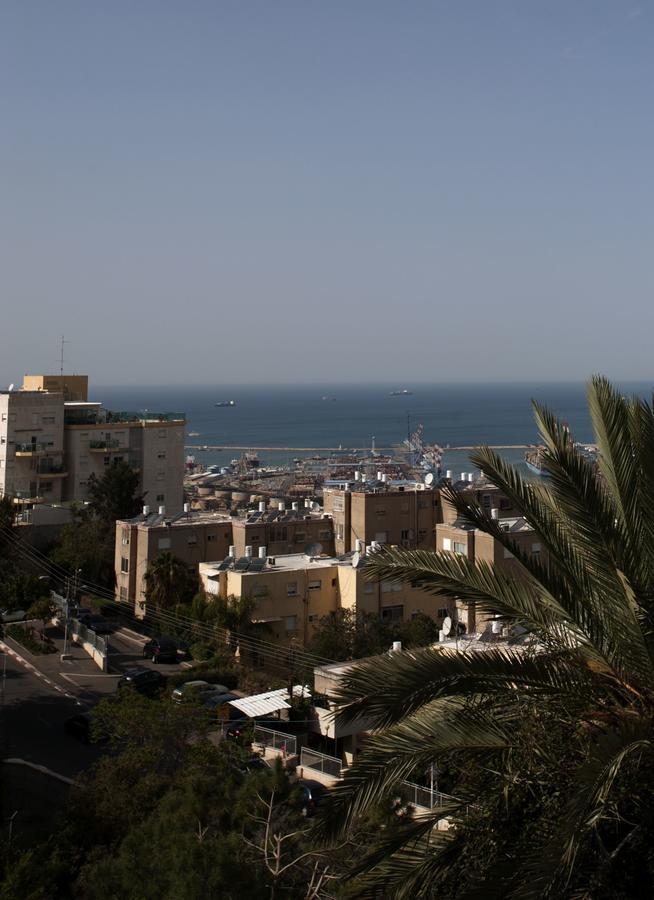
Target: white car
x,y
197,690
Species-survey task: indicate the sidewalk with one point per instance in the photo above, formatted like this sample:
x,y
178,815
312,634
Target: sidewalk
x,y
78,677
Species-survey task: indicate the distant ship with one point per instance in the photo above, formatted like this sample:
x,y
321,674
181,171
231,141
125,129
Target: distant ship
x,y
535,461
194,434
226,403
328,398
403,393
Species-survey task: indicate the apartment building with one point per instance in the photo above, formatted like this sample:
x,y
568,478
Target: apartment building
x,y
403,513
50,445
283,531
293,592
193,537
460,537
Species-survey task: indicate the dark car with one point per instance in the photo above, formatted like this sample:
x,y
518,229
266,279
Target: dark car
x,y
79,727
12,615
97,623
145,681
160,650
312,793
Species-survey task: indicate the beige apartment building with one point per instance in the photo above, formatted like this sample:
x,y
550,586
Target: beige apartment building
x,y
459,537
282,531
401,513
292,594
193,537
50,445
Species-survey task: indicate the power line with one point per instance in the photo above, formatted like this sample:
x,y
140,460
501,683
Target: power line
x,y
185,623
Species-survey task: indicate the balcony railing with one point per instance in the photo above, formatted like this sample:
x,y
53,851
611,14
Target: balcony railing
x,y
108,417
33,449
54,470
321,762
285,744
105,445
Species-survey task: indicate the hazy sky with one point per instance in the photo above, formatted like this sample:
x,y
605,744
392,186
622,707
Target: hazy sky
x,y
336,191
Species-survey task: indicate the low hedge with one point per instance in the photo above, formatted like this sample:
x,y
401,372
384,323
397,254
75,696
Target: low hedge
x,y
26,638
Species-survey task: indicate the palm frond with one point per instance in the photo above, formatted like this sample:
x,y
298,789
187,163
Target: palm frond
x,y
386,689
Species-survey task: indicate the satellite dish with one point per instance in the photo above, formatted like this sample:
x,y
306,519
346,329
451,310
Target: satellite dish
x,y
313,549
447,625
429,478
356,559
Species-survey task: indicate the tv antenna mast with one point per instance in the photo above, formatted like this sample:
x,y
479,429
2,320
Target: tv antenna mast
x,y
61,360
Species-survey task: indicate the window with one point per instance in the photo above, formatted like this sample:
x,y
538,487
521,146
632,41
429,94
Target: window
x,y
458,547
324,535
123,593
48,420
333,582
505,503
162,432
212,537
381,537
447,544
106,460
300,537
443,612
125,537
392,613
315,585
163,543
192,539
337,504
389,588
368,587
313,618
279,534
380,511
160,498
46,487
161,454
291,589
290,623
486,501
259,590
535,551
406,534
124,564
415,613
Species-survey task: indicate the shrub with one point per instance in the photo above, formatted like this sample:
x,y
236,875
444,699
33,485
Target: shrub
x,y
28,641
213,670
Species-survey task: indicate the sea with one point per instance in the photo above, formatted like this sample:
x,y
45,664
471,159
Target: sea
x,y
307,419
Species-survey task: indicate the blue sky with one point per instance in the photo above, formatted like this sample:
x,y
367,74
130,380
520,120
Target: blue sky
x,y
358,191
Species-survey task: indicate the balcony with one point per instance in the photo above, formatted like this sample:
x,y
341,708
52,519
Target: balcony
x,y
53,471
107,417
110,446
24,497
34,449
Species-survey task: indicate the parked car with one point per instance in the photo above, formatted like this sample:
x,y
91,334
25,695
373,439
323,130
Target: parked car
x,y
79,727
219,703
12,615
312,793
197,690
160,650
97,623
145,681
81,612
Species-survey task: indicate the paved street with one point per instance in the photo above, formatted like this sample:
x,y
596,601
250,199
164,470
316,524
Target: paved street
x,y
34,711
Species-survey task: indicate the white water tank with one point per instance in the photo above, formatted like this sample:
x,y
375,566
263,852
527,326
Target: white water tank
x,y
187,508
295,506
248,550
496,626
232,550
162,510
146,510
262,552
357,475
379,476
397,646
448,474
358,546
464,477
262,506
282,506
495,513
307,503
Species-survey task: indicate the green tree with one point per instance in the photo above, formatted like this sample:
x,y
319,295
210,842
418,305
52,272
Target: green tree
x,y
168,582
114,496
553,746
87,544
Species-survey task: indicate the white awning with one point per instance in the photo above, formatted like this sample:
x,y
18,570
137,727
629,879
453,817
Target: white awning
x,y
271,701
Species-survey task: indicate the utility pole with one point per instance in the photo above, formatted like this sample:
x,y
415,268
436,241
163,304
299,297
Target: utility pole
x,y
61,363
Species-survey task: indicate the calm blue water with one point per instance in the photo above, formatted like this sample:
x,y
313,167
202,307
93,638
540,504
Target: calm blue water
x,y
297,416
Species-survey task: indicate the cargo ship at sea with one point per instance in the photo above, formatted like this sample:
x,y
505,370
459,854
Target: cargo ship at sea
x,y
225,403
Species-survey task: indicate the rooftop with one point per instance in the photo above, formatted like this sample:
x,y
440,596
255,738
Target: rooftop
x,y
186,519
290,562
514,524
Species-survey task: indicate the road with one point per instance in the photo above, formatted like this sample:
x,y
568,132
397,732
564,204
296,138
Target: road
x,y
33,711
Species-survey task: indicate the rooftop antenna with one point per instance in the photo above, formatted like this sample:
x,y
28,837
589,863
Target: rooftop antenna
x,y
61,363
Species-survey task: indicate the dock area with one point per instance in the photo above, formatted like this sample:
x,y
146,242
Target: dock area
x,y
218,447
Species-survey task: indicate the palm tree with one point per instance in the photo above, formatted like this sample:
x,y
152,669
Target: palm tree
x,y
590,611
167,581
